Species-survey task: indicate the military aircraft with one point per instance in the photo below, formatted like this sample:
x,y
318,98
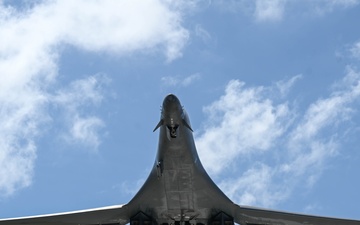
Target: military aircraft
x,y
178,191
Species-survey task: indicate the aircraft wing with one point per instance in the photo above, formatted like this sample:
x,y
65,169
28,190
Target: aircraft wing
x,y
246,215
105,216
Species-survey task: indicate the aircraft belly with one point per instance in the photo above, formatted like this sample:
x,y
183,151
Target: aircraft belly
x,y
179,192
178,188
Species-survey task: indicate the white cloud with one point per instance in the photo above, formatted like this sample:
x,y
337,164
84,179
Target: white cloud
x,y
180,81
252,124
17,164
113,26
242,122
21,113
257,187
272,10
31,40
84,130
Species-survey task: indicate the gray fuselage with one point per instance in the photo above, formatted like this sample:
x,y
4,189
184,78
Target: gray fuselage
x,y
178,188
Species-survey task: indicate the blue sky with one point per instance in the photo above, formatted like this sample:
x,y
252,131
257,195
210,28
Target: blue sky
x,y
272,88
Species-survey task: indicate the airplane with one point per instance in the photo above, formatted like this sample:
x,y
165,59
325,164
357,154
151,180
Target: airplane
x,y
178,191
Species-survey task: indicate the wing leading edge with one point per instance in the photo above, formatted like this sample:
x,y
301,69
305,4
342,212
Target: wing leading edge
x,y
116,214
246,215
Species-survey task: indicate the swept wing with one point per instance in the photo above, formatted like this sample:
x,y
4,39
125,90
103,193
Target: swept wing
x,y
116,214
246,215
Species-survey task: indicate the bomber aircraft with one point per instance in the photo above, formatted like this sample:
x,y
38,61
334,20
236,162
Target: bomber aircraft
x,y
178,191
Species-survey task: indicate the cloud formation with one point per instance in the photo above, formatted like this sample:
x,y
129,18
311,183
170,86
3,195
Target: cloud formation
x,y
31,41
259,131
241,122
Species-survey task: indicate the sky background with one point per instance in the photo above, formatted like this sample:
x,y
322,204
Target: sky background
x,y
272,88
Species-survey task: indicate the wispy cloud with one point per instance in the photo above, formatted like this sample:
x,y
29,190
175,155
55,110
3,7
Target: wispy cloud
x,y
284,145
31,41
355,50
173,81
322,7
202,33
266,10
284,86
81,127
276,10
130,188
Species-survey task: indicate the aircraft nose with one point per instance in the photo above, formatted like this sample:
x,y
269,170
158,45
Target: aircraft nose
x,y
172,115
171,103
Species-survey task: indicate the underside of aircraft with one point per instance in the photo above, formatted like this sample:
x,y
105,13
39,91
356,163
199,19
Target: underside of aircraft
x,y
178,191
